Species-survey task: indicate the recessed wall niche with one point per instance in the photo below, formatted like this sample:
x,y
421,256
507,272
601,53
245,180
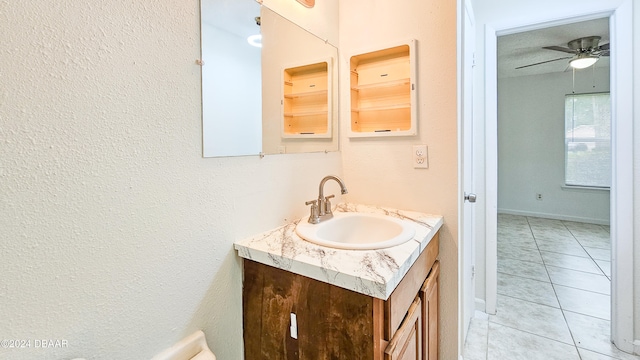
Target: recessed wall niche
x,y
383,92
306,101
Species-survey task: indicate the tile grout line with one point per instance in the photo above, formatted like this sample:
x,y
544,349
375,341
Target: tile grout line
x,y
575,345
486,354
529,301
537,335
553,229
587,315
585,250
552,283
575,288
601,273
592,259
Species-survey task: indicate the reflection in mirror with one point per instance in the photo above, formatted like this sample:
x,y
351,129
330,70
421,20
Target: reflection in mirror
x,y
287,46
307,101
231,79
243,93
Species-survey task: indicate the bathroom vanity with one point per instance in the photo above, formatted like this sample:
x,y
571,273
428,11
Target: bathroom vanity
x,y
306,301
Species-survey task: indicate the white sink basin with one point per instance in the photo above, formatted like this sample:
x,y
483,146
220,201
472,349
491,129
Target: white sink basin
x,y
357,231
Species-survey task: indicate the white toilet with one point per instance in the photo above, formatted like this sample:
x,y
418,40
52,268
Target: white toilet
x,y
193,347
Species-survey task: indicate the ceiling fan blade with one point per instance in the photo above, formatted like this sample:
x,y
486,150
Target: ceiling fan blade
x,y
559,48
544,62
603,50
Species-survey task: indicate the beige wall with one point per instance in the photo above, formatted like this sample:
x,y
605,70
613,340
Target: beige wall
x,y
380,171
321,20
115,234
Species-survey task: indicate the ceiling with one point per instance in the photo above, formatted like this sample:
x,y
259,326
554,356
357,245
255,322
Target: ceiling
x,y
525,48
514,50
235,16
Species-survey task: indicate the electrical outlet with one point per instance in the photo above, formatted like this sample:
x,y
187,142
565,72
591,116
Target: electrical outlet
x,y
539,197
420,157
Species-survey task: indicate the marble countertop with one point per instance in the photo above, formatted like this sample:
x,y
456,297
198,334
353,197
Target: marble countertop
x,y
371,272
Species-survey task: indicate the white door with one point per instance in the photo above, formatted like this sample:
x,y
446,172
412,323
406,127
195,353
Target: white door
x,y
468,206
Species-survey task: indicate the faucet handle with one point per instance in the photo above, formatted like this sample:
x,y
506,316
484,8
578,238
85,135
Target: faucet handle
x,y
327,204
314,217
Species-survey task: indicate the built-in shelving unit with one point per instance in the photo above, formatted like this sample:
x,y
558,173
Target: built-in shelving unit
x,y
306,103
383,92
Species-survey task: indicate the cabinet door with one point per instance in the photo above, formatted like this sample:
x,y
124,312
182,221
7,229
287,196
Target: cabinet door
x,y
429,296
406,344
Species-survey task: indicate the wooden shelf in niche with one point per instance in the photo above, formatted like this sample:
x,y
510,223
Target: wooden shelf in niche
x,y
306,101
383,92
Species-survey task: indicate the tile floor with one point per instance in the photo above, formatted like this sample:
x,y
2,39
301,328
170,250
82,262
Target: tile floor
x,y
554,283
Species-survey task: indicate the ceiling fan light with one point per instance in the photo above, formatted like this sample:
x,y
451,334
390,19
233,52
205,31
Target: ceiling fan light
x,y
583,61
255,40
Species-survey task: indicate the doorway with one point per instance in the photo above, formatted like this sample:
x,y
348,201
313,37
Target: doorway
x,y
621,205
553,242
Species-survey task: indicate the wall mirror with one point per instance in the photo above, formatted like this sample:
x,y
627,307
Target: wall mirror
x,y
275,99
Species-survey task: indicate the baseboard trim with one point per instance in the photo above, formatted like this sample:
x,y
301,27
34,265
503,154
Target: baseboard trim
x,y
554,216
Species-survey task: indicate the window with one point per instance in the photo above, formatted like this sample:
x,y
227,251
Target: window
x,y
588,140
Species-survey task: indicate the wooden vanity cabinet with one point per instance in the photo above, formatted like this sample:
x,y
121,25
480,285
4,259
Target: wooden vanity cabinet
x,y
407,343
336,323
429,298
417,337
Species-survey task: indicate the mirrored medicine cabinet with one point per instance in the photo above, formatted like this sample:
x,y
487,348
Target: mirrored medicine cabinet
x,y
275,99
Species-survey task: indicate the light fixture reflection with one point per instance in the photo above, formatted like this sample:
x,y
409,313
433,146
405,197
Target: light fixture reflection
x,y
583,60
255,40
307,3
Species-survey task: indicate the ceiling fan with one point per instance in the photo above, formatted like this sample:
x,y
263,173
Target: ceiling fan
x,y
585,52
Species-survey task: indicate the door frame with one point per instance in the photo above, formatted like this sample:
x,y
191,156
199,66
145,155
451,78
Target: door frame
x,y
622,307
466,211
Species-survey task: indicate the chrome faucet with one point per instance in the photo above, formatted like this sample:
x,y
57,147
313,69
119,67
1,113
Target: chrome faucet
x,y
321,208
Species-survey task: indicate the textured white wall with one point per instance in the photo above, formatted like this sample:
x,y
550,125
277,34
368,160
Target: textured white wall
x,y
116,235
380,171
531,147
